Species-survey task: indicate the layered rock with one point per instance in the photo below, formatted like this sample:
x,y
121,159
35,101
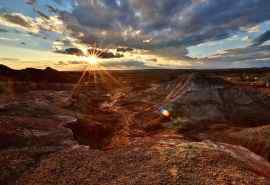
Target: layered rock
x,y
211,100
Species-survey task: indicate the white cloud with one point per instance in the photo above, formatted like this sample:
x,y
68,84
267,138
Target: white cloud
x,y
9,39
246,38
254,29
20,21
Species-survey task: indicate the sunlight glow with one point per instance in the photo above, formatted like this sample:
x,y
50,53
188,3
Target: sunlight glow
x,y
92,60
94,72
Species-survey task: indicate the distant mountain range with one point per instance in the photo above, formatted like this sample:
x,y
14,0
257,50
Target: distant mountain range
x,y
51,75
35,75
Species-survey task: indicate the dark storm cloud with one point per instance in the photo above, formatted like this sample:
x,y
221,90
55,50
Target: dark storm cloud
x,y
103,14
165,23
52,9
215,20
124,49
71,51
262,38
100,53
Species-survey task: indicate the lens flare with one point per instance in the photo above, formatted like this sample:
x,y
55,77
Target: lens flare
x,y
165,112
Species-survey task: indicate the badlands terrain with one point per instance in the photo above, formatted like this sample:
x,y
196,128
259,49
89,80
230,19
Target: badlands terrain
x,y
149,127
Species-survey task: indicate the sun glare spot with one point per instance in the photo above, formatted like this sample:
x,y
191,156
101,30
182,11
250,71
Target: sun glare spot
x,y
165,112
90,60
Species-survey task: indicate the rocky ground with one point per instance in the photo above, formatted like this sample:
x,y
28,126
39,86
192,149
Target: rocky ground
x,y
217,131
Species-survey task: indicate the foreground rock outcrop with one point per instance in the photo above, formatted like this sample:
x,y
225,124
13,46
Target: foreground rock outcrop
x,y
162,161
31,128
213,131
255,139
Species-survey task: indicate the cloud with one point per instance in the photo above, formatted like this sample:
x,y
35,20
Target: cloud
x,y
31,2
131,64
53,9
71,51
16,19
9,59
172,52
253,29
43,23
262,39
241,57
163,28
3,30
163,24
66,63
154,17
43,15
124,49
104,54
173,23
9,39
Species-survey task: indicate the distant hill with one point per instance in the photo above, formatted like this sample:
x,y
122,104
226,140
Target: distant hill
x,y
36,75
52,75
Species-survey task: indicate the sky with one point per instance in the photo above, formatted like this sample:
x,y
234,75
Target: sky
x,y
135,34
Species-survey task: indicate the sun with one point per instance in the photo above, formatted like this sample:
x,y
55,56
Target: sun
x,y
91,60
93,70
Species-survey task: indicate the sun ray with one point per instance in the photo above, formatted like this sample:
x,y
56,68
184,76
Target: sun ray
x,y
95,70
110,76
78,84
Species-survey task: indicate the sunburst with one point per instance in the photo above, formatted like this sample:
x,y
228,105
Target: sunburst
x,y
91,61
93,70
